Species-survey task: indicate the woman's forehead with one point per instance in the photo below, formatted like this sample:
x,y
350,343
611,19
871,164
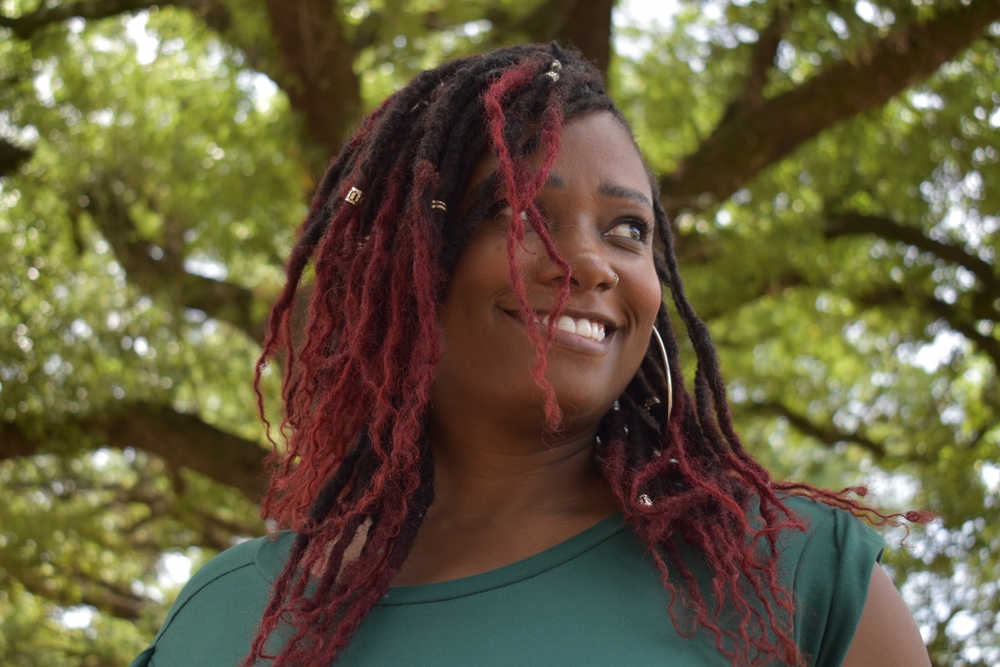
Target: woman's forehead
x,y
612,128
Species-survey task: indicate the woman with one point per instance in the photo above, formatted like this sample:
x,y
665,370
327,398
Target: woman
x,y
490,455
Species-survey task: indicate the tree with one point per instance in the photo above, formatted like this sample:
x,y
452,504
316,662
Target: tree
x,y
830,166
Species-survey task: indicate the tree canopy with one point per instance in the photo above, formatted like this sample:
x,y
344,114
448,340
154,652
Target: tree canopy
x,y
831,168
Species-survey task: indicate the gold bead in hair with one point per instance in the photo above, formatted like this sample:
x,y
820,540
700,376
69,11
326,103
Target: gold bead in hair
x,y
438,205
554,68
354,196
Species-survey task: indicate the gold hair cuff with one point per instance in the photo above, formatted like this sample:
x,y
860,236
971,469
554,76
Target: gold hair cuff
x,y
354,196
439,205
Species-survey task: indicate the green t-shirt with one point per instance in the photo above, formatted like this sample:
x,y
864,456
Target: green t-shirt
x,y
595,599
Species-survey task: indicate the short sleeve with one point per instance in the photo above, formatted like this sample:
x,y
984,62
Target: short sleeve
x,y
214,617
832,572
142,660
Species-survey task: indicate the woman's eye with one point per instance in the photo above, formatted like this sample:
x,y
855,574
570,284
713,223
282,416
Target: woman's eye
x,y
636,230
506,210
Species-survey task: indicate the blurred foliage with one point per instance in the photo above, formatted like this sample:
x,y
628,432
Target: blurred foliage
x,y
160,154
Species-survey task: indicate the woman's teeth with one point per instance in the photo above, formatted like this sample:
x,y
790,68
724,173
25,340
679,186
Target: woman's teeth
x,y
586,328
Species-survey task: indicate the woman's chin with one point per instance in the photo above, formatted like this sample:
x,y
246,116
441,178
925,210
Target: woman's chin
x,y
581,410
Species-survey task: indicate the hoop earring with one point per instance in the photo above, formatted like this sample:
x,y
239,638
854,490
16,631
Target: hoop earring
x,y
666,372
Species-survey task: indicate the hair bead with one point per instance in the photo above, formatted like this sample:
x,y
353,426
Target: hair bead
x,y
354,196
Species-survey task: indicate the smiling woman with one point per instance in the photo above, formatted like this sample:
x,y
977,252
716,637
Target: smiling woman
x,y
486,463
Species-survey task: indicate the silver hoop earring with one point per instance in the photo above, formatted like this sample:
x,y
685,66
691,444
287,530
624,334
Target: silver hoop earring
x,y
666,372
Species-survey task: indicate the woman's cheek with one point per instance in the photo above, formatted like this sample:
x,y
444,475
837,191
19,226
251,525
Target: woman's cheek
x,y
649,292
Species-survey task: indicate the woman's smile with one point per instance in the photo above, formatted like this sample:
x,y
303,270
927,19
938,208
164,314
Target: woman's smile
x,y
584,331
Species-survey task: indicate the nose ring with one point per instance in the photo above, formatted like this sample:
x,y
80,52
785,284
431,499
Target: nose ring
x,y
615,284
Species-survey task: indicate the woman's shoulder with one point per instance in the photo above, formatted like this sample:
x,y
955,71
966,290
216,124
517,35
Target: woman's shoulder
x,y
235,557
216,612
827,528
829,567
230,568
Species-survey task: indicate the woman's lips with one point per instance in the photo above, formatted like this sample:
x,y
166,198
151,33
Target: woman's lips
x,y
581,332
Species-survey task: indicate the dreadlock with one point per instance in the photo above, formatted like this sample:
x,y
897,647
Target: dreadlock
x,y
357,465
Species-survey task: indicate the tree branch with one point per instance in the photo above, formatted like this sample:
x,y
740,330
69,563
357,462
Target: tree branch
x,y
116,600
222,300
988,344
27,25
588,28
546,19
738,297
316,68
750,140
890,294
366,33
105,597
11,157
761,62
216,532
828,435
586,24
181,440
855,223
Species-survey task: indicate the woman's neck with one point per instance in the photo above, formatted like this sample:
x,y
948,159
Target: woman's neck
x,y
491,474
502,495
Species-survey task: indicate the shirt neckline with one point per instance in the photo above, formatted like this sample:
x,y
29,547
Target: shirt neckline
x,y
272,553
526,568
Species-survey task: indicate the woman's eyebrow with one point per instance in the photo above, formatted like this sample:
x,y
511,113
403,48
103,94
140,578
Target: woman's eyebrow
x,y
622,192
609,189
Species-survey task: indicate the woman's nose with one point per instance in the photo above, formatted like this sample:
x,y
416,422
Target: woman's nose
x,y
583,250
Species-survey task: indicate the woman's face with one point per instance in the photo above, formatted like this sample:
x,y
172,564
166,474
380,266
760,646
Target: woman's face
x,y
599,204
